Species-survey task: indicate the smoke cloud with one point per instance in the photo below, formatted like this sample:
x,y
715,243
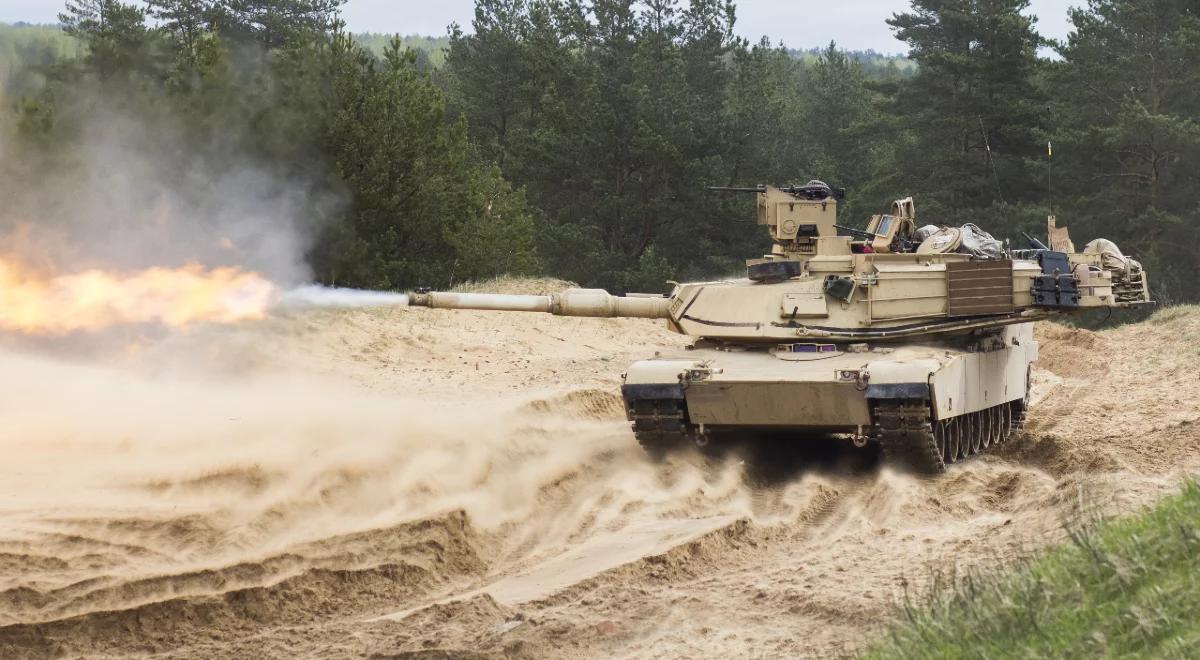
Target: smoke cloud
x,y
120,189
320,296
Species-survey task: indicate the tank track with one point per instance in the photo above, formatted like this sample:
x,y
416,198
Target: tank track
x,y
660,425
906,437
909,437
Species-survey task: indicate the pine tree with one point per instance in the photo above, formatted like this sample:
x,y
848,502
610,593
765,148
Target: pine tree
x,y
423,210
764,108
611,113
186,20
970,117
275,23
1127,99
842,134
115,33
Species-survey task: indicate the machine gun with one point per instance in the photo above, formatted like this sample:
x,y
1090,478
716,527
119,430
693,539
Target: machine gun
x,y
813,190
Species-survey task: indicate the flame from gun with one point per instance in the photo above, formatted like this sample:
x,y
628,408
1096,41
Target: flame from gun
x,y
36,303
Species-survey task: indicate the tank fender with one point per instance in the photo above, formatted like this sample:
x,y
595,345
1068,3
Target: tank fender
x,y
970,382
657,379
900,380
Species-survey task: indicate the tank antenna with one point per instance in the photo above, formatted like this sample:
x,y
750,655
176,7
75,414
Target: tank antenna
x,y
1049,168
1049,159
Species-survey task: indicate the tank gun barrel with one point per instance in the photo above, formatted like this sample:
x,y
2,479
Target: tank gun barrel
x,y
572,302
753,189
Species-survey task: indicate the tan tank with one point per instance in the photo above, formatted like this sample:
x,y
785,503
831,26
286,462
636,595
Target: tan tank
x,y
920,339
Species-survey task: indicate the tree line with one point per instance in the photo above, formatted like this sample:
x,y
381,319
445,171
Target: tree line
x,y
575,137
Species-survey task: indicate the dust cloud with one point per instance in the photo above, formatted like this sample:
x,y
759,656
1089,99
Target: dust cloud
x,y
135,476
270,460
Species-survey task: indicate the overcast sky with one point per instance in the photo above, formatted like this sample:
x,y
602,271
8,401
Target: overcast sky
x,y
854,24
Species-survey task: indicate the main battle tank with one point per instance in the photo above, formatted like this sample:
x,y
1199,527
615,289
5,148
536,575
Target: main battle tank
x,y
918,338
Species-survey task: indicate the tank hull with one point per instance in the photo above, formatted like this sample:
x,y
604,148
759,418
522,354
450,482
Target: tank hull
x,y
852,389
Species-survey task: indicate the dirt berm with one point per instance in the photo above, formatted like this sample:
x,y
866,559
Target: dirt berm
x,y
430,484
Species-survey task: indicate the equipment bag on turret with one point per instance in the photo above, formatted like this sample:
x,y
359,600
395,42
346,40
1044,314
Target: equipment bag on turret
x,y
980,243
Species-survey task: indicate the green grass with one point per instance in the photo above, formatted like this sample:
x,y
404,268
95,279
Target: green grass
x,y
1175,312
1127,588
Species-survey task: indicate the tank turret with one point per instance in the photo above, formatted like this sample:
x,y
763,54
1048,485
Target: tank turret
x,y
915,337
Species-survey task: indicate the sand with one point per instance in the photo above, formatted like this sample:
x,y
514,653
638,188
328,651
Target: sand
x,y
429,484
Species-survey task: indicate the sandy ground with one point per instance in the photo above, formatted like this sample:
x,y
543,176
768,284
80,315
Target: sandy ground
x,y
422,483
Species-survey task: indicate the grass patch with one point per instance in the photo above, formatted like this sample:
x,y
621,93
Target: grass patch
x,y
1175,312
1121,588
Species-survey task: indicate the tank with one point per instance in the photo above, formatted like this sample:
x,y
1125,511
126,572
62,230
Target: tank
x,y
919,338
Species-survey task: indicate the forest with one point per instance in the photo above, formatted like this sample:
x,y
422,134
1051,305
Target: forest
x,y
575,138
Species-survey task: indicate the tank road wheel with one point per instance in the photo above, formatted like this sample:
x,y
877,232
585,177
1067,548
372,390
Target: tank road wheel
x,y
976,432
964,436
941,440
997,426
1005,421
985,428
981,431
906,435
953,440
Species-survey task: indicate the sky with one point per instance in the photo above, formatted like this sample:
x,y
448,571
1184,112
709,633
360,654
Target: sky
x,y
853,24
